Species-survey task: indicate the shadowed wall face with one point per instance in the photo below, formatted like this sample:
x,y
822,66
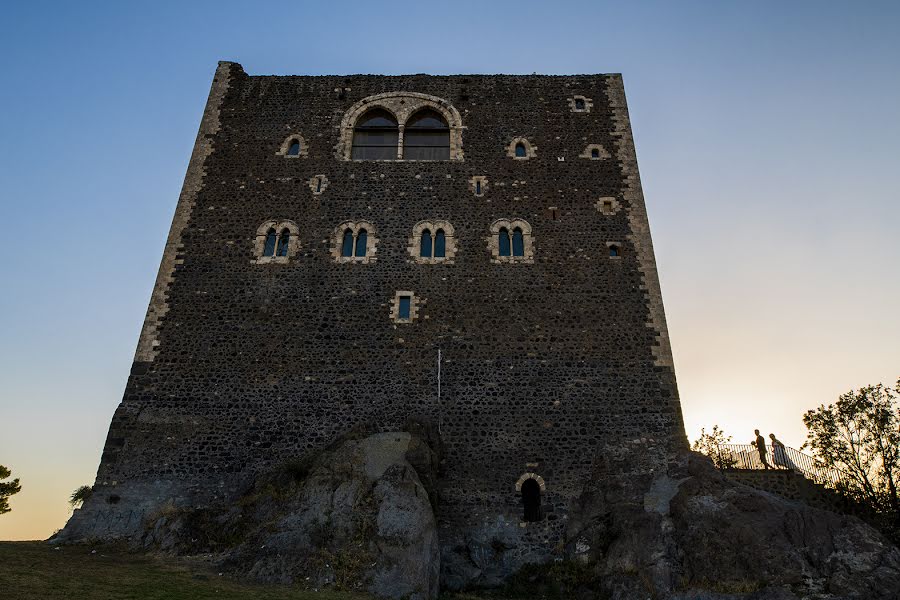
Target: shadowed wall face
x,y
554,347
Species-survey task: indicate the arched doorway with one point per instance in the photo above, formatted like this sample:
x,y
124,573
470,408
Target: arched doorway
x,y
531,500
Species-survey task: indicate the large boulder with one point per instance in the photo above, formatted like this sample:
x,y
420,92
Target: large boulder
x,y
693,534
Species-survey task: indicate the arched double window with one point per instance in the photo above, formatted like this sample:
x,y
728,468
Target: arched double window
x,y
354,242
511,241
401,126
432,242
376,136
276,241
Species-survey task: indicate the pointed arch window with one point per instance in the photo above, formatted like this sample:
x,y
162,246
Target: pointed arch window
x,y
518,242
425,245
503,242
269,246
376,136
440,244
426,136
347,243
361,241
283,241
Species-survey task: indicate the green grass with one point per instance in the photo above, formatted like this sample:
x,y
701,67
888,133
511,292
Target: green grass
x,y
34,570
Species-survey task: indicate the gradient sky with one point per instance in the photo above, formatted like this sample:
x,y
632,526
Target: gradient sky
x,y
768,136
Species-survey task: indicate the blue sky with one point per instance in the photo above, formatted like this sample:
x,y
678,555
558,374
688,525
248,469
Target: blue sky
x,y
768,136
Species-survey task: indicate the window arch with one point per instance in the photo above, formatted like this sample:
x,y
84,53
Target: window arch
x,y
354,241
615,249
432,242
511,241
428,128
521,149
294,146
376,136
594,152
426,136
276,241
531,487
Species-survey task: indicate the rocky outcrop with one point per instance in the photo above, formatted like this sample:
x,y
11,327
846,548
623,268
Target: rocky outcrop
x,y
358,516
694,534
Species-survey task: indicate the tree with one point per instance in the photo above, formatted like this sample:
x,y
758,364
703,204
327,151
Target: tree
x,y
7,489
79,496
710,444
860,435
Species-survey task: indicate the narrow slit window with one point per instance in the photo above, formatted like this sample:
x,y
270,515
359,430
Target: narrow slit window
x,y
361,240
294,148
478,187
404,307
520,150
347,243
503,241
269,246
440,244
283,240
518,242
425,244
318,184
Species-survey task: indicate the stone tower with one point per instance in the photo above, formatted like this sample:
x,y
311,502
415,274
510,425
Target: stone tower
x,y
335,233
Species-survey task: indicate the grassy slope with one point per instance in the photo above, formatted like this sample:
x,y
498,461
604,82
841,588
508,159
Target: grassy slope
x,y
34,570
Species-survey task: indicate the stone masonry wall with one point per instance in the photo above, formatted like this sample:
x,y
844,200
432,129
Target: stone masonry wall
x,y
243,363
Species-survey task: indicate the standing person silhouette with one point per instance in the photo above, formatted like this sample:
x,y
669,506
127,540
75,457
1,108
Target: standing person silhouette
x,y
780,457
760,444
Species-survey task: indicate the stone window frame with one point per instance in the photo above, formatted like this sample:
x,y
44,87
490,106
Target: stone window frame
x,y
603,154
607,205
415,304
314,185
286,144
530,149
529,475
402,105
473,185
354,226
260,241
493,242
588,103
617,246
415,241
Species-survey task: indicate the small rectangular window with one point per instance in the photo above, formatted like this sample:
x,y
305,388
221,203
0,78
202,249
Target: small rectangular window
x,y
405,302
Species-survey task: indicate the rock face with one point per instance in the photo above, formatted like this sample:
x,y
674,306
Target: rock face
x,y
694,534
358,516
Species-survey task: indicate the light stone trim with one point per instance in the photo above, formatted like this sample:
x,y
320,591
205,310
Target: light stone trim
x,y
618,246
260,242
526,476
148,343
493,242
416,238
315,187
608,205
286,144
588,104
355,226
402,105
530,149
603,154
639,224
473,187
415,304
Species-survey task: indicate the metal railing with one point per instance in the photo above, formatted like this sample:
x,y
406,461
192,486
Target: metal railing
x,y
740,456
